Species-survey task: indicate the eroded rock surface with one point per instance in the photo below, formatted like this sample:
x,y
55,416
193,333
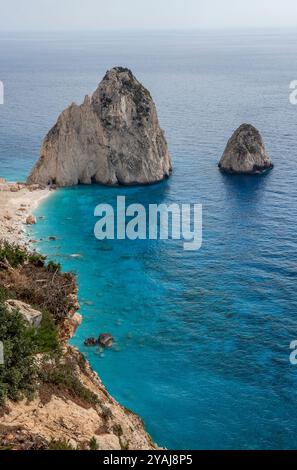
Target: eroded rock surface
x,y
113,138
55,414
245,152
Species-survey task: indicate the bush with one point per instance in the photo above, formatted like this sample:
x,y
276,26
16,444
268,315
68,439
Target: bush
x,y
53,267
93,444
60,445
3,294
12,254
17,375
46,336
15,256
64,375
37,260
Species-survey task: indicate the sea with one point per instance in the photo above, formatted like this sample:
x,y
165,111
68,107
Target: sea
x,y
202,338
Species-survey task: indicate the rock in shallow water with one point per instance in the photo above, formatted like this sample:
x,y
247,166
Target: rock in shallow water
x,y
90,342
31,220
106,340
113,138
245,152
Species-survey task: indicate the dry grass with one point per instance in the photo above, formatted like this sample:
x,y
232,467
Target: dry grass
x,y
37,286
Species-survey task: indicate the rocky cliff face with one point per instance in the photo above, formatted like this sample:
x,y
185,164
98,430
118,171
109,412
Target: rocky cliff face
x,y
245,152
57,417
113,138
68,406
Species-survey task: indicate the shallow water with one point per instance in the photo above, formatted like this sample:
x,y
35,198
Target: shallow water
x,y
202,338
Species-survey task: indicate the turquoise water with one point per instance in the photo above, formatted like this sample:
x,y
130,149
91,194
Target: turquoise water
x,y
202,338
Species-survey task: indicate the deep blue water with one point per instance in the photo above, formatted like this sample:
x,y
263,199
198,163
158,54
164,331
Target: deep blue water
x,y
203,337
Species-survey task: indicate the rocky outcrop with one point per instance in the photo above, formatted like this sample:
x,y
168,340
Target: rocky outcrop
x,y
32,316
113,138
245,152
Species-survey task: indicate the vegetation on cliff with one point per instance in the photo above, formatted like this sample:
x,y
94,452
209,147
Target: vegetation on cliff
x,y
18,373
32,356
50,398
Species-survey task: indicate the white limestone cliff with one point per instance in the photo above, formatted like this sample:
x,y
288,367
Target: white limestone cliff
x,y
113,138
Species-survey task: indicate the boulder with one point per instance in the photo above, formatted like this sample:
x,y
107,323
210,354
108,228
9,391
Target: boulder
x,y
33,317
245,152
113,138
30,220
91,342
34,187
14,188
106,340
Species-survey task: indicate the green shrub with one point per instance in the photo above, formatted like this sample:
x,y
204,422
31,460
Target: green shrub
x,y
60,445
3,294
64,375
46,336
37,260
17,256
93,444
53,267
12,254
17,375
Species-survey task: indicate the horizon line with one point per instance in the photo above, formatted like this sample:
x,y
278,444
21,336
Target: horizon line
x,y
167,30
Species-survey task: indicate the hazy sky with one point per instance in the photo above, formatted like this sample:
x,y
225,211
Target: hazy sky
x,y
144,14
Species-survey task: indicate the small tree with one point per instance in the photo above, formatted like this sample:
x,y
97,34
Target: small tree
x,y
17,374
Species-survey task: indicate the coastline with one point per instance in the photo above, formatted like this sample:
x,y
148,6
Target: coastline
x,y
56,415
17,203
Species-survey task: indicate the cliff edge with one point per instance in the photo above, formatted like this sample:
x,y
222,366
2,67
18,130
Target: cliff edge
x,y
50,398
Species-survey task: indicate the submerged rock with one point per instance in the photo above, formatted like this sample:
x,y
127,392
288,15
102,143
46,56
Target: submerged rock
x,y
113,138
245,152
